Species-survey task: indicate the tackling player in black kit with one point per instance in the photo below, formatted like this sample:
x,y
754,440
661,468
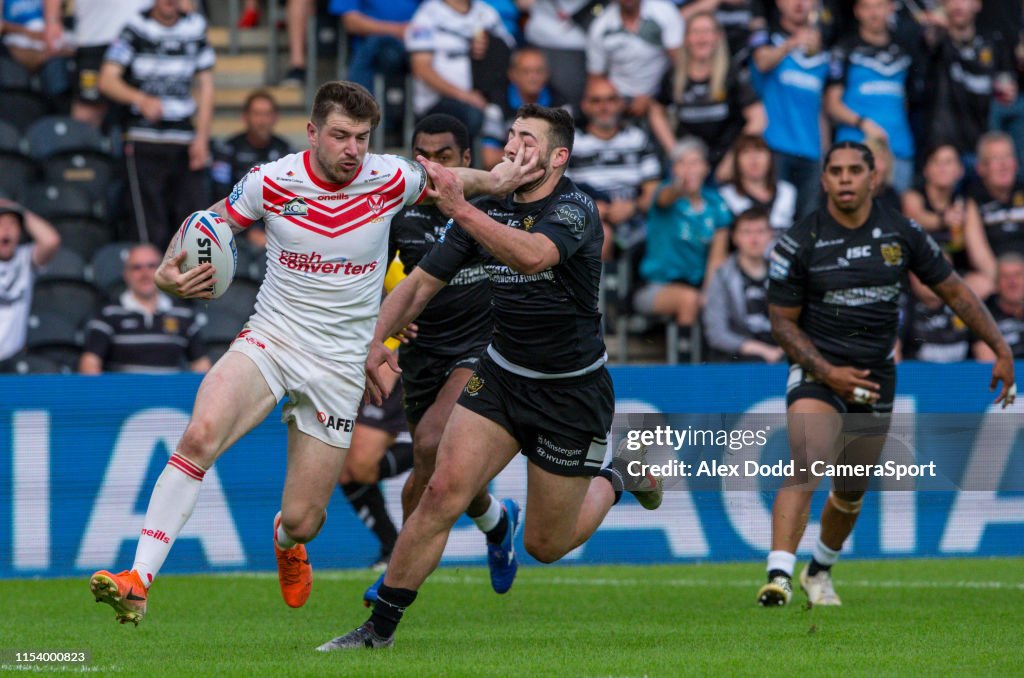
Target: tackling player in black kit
x,y
835,283
541,386
452,332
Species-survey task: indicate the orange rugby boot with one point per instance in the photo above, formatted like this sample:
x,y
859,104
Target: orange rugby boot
x,y
123,591
294,572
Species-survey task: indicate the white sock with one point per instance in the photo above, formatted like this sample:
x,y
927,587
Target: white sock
x,y
782,560
284,542
824,555
170,506
488,520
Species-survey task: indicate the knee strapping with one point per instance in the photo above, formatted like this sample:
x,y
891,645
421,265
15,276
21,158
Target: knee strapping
x,y
847,506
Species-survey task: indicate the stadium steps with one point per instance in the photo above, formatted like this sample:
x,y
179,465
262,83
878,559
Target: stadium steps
x,y
236,75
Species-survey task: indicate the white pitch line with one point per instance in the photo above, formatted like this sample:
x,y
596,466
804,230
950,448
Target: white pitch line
x,y
457,579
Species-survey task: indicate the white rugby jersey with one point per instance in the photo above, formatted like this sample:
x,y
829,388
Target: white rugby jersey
x,y
326,248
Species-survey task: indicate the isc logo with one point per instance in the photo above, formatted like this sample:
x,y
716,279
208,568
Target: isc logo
x,y
858,252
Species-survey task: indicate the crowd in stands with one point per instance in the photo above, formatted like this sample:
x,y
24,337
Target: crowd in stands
x,y
701,128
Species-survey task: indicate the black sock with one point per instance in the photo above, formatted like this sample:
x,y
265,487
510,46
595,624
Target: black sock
x,y
397,460
815,567
369,505
497,533
614,477
389,608
772,574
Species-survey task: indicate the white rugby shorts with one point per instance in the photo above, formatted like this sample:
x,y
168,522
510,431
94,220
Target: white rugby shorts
x,y
323,395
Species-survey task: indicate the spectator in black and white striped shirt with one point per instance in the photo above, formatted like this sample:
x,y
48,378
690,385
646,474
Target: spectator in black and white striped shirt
x,y
616,164
161,68
144,332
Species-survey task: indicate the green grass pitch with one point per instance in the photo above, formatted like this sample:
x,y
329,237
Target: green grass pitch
x,y
921,617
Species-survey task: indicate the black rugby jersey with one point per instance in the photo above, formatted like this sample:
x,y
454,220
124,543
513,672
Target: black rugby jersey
x,y
1003,221
849,281
458,319
130,339
234,157
1010,326
717,121
546,322
960,90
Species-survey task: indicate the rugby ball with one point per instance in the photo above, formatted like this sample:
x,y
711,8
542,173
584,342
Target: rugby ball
x,y
206,237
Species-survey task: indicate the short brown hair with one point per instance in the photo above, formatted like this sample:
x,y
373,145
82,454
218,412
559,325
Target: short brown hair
x,y
562,131
754,213
260,94
348,98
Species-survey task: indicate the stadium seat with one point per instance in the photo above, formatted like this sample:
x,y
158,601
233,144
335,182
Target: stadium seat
x,y
107,266
22,108
215,350
46,328
13,75
64,355
94,172
26,363
239,301
117,288
222,327
10,138
17,173
252,261
76,300
83,236
694,343
60,134
244,262
52,200
67,264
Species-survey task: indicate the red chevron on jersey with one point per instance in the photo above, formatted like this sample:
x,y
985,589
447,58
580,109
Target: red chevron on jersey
x,y
354,213
324,226
276,194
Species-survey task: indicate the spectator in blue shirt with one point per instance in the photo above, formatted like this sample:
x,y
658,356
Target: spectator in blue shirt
x,y
867,88
377,30
687,237
789,72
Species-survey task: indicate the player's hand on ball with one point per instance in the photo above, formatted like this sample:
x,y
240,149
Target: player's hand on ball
x,y
853,385
196,283
1002,371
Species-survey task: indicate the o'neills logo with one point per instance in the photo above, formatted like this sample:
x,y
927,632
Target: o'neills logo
x,y
159,535
314,263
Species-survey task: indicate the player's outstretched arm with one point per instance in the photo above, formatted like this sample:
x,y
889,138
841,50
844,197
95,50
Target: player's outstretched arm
x,y
401,306
502,179
523,252
849,382
959,297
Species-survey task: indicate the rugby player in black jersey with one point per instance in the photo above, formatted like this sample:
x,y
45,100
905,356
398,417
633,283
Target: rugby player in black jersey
x,y
452,332
835,283
541,385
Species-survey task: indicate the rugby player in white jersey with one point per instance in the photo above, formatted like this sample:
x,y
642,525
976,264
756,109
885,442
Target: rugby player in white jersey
x,y
327,212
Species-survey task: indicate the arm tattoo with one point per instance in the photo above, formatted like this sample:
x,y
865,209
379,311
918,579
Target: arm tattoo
x,y
959,297
797,345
